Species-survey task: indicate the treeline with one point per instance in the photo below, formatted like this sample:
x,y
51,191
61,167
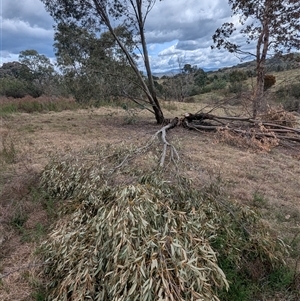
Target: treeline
x,y
87,68
94,69
33,75
193,81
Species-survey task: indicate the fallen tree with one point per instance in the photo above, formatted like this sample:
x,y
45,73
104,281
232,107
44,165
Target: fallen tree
x,y
263,133
280,129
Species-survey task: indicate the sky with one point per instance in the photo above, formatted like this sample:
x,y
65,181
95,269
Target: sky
x,y
178,32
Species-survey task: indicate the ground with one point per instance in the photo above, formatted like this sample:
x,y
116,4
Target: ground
x,y
267,181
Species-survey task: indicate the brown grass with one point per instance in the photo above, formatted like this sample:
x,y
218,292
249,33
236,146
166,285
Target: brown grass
x,y
29,104
273,175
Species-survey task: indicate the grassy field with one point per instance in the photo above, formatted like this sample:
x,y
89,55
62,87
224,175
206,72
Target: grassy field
x,y
266,181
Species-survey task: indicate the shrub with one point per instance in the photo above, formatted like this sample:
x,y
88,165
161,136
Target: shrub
x,y
295,90
16,88
195,90
206,89
219,84
292,90
236,87
291,105
237,76
147,237
269,81
12,88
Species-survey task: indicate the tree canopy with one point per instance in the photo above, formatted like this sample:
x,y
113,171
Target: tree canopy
x,y
273,25
96,15
41,70
94,67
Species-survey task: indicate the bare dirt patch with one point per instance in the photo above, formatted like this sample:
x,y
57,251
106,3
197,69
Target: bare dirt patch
x,y
268,181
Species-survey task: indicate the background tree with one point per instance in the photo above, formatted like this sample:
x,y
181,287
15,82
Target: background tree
x,y
183,81
32,75
41,69
16,70
269,81
94,67
16,81
189,69
273,25
190,81
236,78
200,78
93,15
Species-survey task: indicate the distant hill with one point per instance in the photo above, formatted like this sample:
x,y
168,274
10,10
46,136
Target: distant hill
x,y
173,72
274,64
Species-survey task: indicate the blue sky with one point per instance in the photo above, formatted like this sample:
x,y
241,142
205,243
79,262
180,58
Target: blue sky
x,y
177,32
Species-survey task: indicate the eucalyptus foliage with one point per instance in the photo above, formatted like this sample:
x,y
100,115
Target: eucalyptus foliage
x,y
127,236
95,15
273,26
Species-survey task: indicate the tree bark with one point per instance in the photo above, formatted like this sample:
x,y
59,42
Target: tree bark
x,y
258,99
156,106
259,102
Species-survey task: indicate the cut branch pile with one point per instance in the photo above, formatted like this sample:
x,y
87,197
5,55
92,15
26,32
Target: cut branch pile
x,y
151,236
278,131
264,133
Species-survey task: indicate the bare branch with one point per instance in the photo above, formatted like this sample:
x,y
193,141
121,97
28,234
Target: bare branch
x,y
134,99
162,134
244,126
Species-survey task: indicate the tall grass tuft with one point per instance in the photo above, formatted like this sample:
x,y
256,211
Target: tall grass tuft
x,y
8,152
29,104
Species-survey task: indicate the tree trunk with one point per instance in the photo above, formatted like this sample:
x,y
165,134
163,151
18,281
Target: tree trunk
x,y
156,106
159,116
149,90
259,102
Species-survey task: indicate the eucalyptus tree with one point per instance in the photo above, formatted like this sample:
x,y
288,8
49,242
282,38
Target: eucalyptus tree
x,y
73,46
40,68
273,25
93,67
96,15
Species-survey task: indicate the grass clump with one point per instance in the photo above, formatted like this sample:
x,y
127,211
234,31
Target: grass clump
x,y
130,235
29,104
8,152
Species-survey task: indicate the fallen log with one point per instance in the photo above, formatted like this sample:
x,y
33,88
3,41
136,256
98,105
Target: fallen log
x,y
243,126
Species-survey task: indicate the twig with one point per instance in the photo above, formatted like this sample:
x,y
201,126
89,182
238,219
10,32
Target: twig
x,y
162,133
137,102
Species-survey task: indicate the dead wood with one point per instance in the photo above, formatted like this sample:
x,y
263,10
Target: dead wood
x,y
256,132
162,134
243,126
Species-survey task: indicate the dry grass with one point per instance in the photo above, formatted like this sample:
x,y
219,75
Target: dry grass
x,y
274,175
29,104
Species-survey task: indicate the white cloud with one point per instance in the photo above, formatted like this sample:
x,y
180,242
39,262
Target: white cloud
x,y
191,24
175,29
25,25
30,11
185,19
20,27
